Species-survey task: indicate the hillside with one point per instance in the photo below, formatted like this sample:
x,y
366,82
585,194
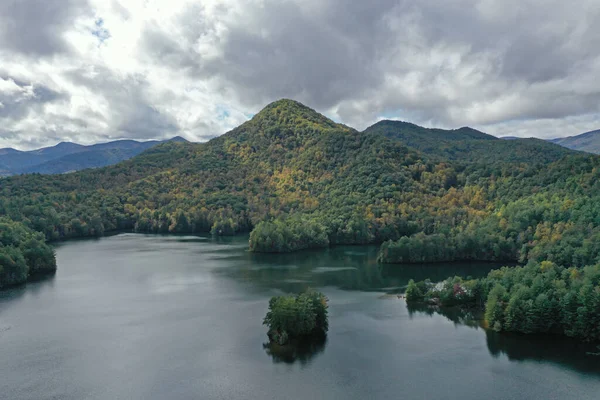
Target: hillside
x,y
416,135
588,142
467,144
427,140
297,179
69,157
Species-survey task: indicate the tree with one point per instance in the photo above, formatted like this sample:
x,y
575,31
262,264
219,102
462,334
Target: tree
x,y
413,293
13,268
494,308
295,317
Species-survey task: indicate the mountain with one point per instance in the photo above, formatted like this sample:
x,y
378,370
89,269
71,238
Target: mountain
x,y
419,137
588,142
295,180
467,144
69,157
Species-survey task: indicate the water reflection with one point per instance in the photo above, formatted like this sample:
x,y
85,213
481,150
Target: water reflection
x,y
302,352
34,287
343,267
519,347
180,318
472,318
560,350
355,268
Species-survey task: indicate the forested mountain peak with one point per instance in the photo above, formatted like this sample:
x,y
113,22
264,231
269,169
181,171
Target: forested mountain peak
x,y
408,130
468,144
474,133
287,116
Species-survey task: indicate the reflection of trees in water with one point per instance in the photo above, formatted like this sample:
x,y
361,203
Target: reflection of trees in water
x,y
520,347
472,318
41,279
344,267
300,351
35,285
555,349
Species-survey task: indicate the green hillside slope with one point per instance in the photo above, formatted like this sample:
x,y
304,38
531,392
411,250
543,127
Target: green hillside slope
x,y
297,180
467,144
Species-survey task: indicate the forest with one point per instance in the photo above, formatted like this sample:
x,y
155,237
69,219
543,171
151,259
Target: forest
x,y
537,298
23,254
295,180
297,317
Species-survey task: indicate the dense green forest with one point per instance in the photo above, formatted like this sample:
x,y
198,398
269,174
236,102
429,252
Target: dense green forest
x,y
23,254
537,298
314,183
296,180
468,145
294,318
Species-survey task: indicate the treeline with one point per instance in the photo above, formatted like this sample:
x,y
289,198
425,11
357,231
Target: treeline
x,y
554,226
287,236
537,298
464,246
23,254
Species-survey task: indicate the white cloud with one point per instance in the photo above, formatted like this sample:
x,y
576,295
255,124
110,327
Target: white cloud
x,y
95,70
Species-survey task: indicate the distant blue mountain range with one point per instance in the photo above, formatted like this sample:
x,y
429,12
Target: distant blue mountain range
x,y
588,141
69,157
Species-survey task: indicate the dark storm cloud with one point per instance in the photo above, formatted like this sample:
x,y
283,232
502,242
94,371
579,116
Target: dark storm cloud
x,y
36,27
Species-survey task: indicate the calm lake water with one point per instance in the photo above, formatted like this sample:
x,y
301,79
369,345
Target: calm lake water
x,y
172,317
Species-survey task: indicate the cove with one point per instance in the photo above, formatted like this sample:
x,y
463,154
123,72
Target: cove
x,y
153,317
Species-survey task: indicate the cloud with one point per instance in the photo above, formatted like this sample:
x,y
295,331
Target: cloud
x,y
19,99
36,27
98,70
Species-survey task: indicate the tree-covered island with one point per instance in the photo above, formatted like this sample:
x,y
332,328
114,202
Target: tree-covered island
x,y
295,318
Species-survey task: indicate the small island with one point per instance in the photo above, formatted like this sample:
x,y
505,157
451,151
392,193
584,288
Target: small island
x,y
297,318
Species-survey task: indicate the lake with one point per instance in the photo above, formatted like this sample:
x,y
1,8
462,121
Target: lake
x,y
180,317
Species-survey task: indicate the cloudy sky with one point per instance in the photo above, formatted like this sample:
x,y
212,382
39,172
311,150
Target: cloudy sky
x,y
97,70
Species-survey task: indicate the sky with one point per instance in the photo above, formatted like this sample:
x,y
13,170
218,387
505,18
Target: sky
x,y
97,70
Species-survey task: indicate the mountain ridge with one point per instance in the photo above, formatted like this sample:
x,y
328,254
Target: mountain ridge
x,y
406,130
587,141
466,144
296,180
69,156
